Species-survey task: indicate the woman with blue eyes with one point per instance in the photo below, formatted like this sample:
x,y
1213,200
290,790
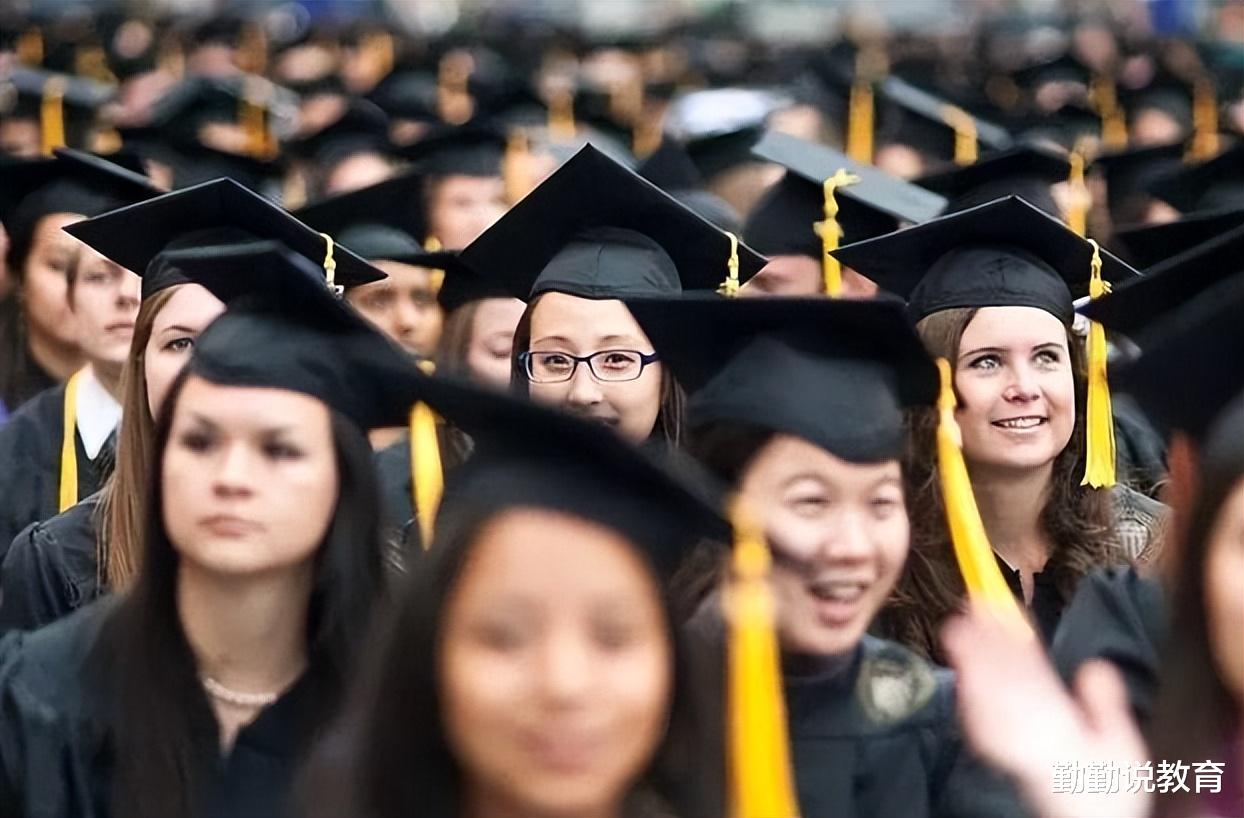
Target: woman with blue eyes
x,y
990,290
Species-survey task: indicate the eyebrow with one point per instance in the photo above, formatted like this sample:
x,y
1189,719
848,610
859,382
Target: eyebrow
x,y
196,417
1000,350
179,328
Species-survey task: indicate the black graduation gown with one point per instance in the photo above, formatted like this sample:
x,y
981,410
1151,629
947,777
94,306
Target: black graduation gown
x,y
30,445
393,471
1120,616
54,747
34,381
52,568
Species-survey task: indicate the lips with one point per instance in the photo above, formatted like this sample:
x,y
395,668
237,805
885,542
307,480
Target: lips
x,y
125,326
838,601
1021,423
225,525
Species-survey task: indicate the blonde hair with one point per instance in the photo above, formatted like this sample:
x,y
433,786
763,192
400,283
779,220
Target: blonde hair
x,y
122,507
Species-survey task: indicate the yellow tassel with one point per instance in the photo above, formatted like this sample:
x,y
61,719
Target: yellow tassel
x,y
965,133
516,166
1204,121
1105,101
436,278
29,48
68,446
1077,208
427,478
860,125
761,782
561,122
52,115
330,266
1099,426
831,232
972,549
730,287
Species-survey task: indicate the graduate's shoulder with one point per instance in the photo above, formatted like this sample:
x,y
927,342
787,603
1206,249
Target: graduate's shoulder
x,y
46,673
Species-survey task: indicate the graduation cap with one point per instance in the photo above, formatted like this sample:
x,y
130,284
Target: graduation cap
x,y
1064,68
525,455
858,363
933,125
670,168
597,230
1130,172
1027,171
714,154
213,213
474,149
1150,244
1211,185
1178,380
291,332
407,95
69,182
784,220
1005,253
380,221
362,128
1136,304
64,105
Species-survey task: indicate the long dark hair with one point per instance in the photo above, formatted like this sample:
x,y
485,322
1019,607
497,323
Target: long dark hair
x,y
1079,521
669,423
393,753
1196,715
162,731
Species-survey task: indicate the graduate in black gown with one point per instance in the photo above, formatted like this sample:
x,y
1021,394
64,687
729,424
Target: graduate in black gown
x,y
39,474
798,405
198,692
532,665
991,289
59,564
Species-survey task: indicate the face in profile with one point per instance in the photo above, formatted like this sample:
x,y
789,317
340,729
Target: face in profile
x,y
1016,389
839,533
492,340
249,479
403,306
105,303
45,283
555,667
174,330
565,325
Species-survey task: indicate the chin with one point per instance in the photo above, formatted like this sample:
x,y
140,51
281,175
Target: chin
x,y
816,640
235,557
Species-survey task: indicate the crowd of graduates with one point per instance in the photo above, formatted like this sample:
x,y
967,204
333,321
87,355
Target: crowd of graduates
x,y
525,421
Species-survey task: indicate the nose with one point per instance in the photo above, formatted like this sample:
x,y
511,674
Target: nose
x,y
1022,387
565,669
129,291
584,390
406,317
232,476
847,539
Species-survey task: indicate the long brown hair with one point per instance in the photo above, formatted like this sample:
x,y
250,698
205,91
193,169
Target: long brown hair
x,y
121,514
1079,521
670,417
455,341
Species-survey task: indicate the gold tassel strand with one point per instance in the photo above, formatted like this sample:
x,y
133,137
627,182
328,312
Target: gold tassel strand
x,y
730,287
964,126
427,478
830,231
1080,198
1204,121
973,552
761,782
68,494
52,115
1099,466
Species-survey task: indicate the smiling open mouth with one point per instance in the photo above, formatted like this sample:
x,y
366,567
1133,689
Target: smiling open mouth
x,y
1020,423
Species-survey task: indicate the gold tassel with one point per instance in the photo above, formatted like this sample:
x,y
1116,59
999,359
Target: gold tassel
x,y
330,266
973,552
1105,101
29,48
1099,427
561,115
1079,196
831,232
426,475
860,125
1204,121
964,127
52,115
68,447
516,166
730,287
436,277
761,783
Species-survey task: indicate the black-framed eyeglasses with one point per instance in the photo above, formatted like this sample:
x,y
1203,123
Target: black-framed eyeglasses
x,y
608,365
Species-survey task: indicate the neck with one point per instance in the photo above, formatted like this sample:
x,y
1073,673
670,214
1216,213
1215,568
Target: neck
x,y
1010,504
109,376
57,359
248,634
480,804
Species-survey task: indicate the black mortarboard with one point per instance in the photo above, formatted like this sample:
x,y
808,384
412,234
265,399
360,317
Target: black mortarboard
x,y
716,153
69,182
597,230
1211,185
407,95
1063,68
1188,369
1005,253
462,285
463,150
782,221
1134,305
1149,244
213,213
670,168
858,365
1026,171
927,122
1130,172
291,332
362,128
525,455
386,217
23,90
